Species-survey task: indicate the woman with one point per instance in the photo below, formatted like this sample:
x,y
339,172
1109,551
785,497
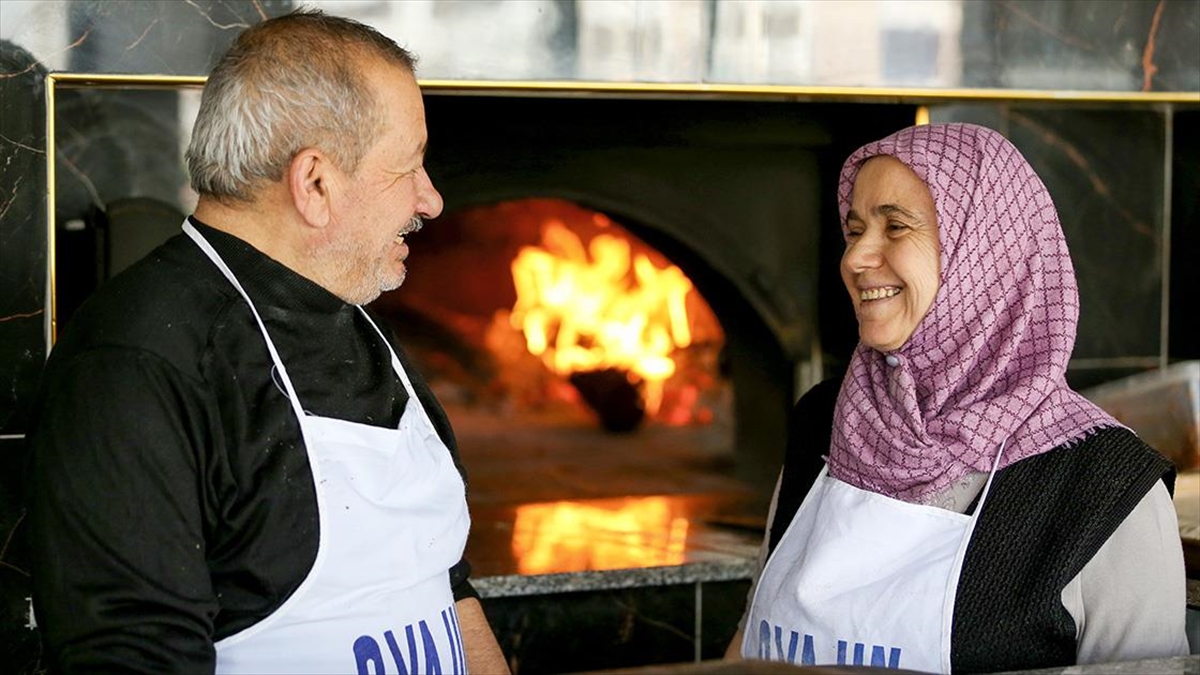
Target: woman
x,y
975,513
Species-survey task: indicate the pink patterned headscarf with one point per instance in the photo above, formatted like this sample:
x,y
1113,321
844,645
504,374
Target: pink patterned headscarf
x,y
987,362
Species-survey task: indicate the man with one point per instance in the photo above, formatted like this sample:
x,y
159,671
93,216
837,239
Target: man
x,y
233,468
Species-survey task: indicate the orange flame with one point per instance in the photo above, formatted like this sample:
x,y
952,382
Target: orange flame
x,y
568,536
580,309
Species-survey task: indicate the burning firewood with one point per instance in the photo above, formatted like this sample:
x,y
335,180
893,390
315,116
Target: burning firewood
x,y
612,396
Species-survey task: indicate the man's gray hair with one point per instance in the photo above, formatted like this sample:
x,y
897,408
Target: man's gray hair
x,y
287,84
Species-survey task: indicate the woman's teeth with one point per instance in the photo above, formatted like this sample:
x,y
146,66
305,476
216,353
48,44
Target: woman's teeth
x,y
878,293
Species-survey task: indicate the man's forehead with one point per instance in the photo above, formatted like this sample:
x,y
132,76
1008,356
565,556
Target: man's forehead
x,y
403,108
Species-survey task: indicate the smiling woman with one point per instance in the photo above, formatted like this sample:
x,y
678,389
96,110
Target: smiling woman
x,y
974,509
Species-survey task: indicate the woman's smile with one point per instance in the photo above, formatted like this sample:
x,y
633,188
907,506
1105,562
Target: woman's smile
x,y
882,293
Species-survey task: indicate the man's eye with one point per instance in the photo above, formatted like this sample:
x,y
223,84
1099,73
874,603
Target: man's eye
x,y
894,226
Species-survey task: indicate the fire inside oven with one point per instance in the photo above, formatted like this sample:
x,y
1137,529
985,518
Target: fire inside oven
x,y
582,372
562,308
557,340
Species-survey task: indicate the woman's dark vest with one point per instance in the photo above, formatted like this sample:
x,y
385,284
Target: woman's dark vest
x,y
1045,518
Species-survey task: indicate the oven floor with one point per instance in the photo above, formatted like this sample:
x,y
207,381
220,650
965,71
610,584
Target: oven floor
x,y
516,461
559,469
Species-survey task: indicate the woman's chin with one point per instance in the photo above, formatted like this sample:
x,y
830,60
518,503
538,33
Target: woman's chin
x,y
883,344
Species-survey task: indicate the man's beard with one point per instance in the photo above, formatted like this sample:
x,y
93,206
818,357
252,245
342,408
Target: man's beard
x,y
359,271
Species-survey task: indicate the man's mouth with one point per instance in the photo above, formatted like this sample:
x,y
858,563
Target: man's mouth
x,y
413,225
877,293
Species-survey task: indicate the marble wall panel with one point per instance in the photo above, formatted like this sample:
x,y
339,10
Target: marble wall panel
x,y
1116,45
1081,44
22,232
1106,171
131,36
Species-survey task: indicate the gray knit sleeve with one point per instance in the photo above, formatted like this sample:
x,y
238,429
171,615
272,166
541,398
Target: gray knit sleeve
x,y
1129,600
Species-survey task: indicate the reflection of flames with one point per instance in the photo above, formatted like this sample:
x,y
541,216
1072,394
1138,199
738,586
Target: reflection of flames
x,y
561,536
581,310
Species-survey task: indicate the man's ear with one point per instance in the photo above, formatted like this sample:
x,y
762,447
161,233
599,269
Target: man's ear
x,y
309,181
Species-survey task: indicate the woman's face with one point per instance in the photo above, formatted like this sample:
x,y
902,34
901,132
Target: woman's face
x,y
891,264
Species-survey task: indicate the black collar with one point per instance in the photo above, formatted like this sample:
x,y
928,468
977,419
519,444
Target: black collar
x,y
269,282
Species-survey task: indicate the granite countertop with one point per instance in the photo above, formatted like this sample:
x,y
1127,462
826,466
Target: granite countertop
x,y
595,544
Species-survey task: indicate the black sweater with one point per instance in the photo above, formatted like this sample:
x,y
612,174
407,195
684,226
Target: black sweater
x,y
171,502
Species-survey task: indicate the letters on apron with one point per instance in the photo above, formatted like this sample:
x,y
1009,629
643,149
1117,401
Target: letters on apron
x,y
861,579
393,520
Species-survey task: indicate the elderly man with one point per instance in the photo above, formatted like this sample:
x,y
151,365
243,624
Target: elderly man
x,y
234,467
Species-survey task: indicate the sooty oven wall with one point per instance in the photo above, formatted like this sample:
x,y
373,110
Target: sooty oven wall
x,y
739,194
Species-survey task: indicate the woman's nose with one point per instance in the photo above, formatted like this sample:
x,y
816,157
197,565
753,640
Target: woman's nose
x,y
863,254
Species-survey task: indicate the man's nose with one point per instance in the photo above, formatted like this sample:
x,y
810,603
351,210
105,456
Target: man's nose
x,y
429,200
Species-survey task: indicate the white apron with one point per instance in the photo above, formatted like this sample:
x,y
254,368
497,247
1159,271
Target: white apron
x,y
861,579
393,520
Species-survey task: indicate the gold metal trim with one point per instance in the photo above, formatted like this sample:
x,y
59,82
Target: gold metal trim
x,y
909,95
104,80
922,97
922,116
51,324
814,92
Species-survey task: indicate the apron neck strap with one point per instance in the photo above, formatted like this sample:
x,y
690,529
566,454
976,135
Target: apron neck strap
x,y
987,487
399,368
220,263
396,365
